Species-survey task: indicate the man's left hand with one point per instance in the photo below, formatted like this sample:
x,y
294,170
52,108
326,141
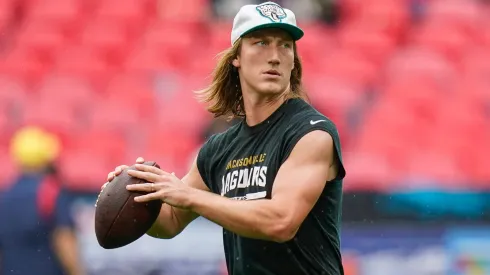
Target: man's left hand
x,y
161,185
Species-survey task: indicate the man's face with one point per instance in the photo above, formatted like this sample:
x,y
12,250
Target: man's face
x,y
266,60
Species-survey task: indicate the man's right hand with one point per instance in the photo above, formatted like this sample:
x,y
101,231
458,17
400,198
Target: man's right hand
x,y
118,171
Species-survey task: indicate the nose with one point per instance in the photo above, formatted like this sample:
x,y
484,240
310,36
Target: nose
x,y
274,57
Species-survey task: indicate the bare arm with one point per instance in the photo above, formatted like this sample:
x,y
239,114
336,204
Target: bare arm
x,y
66,247
297,187
173,220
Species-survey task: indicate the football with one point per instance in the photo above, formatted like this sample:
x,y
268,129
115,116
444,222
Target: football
x,y
119,220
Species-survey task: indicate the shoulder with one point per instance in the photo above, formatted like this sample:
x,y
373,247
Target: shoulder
x,y
305,118
313,129
219,139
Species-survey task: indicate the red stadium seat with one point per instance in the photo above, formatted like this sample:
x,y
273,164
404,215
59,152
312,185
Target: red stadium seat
x,y
22,63
13,94
349,66
53,115
464,114
364,176
426,169
475,89
376,46
73,92
316,39
107,141
85,170
219,34
132,90
6,11
114,116
333,96
83,62
12,90
172,34
148,59
55,11
441,37
4,122
418,64
173,102
482,36
478,162
202,63
43,38
88,158
121,10
475,65
184,10
170,149
471,154
390,129
416,94
105,37
175,40
387,16
460,12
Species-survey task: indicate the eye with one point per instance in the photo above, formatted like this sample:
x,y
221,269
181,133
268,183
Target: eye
x,y
287,45
261,43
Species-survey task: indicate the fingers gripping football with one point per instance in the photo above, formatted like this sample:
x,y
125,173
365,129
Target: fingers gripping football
x,y
119,170
160,185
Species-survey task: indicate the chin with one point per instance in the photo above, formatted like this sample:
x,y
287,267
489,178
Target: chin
x,y
271,89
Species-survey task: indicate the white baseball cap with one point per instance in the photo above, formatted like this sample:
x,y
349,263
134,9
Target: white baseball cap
x,y
266,15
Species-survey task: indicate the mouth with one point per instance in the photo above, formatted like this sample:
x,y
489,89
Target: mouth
x,y
272,73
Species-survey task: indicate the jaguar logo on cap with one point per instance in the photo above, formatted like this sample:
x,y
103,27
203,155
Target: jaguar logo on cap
x,y
272,11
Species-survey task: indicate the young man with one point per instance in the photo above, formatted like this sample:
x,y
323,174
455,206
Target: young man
x,y
274,180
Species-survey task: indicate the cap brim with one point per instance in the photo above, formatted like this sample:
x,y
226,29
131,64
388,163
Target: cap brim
x,y
295,32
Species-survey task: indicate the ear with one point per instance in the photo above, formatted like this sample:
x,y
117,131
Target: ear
x,y
236,62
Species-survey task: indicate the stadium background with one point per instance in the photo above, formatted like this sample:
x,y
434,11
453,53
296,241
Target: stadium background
x,y
406,81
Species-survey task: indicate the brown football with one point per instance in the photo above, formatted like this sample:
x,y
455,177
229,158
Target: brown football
x,y
119,220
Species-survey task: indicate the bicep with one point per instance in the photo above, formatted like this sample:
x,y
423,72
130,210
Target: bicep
x,y
302,177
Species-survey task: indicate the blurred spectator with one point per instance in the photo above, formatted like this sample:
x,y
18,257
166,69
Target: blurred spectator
x,y
36,232
328,11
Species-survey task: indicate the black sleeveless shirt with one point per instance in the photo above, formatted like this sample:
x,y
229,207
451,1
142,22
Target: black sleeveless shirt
x,y
242,162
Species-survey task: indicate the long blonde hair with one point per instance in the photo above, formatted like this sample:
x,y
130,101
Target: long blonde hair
x,y
224,93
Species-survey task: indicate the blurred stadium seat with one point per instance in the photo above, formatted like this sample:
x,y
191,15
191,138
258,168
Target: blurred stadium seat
x,y
5,12
41,38
106,38
21,63
184,11
121,10
83,62
61,12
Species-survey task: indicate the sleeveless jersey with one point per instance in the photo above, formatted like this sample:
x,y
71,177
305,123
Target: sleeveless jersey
x,y
242,162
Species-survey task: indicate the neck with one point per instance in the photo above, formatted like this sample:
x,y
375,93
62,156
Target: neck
x,y
258,109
